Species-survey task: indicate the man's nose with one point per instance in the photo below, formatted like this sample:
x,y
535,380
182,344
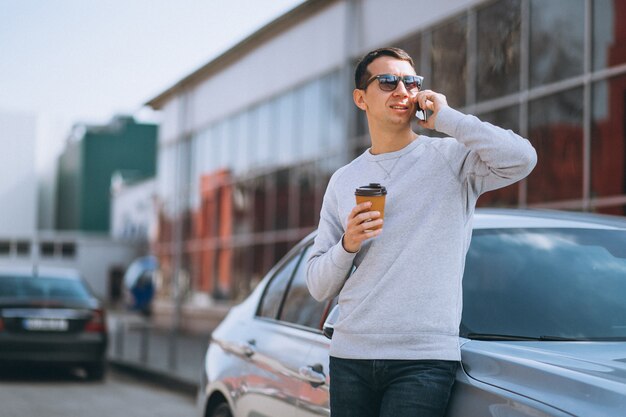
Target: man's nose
x,y
401,89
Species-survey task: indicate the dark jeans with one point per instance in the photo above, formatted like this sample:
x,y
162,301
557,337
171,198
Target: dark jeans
x,y
390,388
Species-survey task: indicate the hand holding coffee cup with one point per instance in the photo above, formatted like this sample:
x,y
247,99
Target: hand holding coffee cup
x,y
366,218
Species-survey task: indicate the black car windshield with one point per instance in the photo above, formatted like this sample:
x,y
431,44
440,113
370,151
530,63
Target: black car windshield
x,y
41,288
545,284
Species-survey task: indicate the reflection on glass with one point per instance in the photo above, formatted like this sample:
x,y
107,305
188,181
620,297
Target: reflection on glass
x,y
309,126
307,190
449,60
556,132
507,118
566,283
613,210
240,142
243,280
498,63
608,138
609,33
243,213
266,137
282,122
413,46
275,290
556,40
260,203
283,190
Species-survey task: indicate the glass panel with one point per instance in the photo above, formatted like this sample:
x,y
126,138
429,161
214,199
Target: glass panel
x,y
196,157
608,138
273,295
242,272
413,46
338,99
609,33
507,118
264,135
556,132
281,215
556,40
5,247
283,114
299,307
619,210
259,203
546,282
498,71
307,187
280,250
221,137
243,219
241,149
309,130
213,149
449,61
23,248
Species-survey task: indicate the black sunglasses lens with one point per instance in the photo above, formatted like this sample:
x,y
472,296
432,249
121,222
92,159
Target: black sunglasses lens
x,y
388,82
411,82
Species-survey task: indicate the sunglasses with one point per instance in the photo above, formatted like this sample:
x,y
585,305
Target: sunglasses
x,y
389,82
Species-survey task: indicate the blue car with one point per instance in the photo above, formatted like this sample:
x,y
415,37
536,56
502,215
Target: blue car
x,y
543,331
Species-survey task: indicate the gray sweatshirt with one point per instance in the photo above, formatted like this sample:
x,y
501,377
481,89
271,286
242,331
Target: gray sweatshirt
x,y
404,300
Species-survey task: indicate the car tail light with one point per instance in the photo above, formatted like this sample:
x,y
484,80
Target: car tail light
x,y
1,324
97,324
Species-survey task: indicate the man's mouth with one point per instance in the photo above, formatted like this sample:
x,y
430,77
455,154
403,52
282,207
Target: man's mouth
x,y
400,107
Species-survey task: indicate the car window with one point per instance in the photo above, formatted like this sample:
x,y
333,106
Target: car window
x,y
568,283
42,287
273,295
300,307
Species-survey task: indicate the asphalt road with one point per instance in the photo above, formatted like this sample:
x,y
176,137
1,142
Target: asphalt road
x,y
64,393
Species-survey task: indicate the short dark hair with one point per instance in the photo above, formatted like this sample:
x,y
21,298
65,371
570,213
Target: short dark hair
x,y
361,74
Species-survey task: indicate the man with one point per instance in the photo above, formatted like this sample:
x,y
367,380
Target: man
x,y
395,347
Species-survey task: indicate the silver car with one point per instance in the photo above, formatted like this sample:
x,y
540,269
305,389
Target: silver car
x,y
543,330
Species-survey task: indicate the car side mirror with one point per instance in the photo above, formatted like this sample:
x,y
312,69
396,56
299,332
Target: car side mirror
x,y
329,323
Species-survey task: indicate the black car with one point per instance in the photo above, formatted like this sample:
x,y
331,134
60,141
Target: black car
x,y
50,316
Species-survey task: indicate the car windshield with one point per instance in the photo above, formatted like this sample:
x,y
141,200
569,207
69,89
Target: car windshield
x,y
546,284
41,288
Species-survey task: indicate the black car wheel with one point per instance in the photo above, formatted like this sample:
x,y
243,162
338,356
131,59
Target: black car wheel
x,y
221,410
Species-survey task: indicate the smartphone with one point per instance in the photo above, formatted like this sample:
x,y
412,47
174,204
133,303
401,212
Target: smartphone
x,y
421,114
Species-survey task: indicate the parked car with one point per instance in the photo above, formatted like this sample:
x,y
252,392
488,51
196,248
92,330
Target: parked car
x,y
50,316
543,331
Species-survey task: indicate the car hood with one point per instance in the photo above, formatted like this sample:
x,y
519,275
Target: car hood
x,y
580,378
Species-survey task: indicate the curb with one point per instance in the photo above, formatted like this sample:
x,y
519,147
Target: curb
x,y
160,378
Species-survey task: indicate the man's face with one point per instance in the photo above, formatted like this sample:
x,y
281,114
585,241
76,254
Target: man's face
x,y
393,108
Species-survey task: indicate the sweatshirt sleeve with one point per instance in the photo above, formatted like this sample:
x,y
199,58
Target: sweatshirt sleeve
x,y
491,157
329,263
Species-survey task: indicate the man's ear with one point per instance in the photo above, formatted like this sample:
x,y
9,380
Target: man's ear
x,y
359,99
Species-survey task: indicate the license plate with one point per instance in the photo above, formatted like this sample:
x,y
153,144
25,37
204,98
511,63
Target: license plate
x,y
55,325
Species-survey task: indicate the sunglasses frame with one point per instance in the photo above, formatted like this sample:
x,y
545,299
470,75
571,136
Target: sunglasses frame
x,y
395,79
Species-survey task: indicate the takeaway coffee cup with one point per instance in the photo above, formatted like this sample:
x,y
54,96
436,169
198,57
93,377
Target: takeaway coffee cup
x,y
375,193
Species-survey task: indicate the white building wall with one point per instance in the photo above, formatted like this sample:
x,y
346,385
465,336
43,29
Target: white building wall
x,y
18,177
305,51
385,22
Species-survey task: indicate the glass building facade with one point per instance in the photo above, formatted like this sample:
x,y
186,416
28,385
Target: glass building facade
x,y
249,186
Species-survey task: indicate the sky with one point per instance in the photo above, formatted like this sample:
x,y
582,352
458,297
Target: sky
x,y
87,60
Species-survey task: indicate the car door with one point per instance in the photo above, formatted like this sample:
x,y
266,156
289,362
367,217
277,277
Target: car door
x,y
275,351
303,313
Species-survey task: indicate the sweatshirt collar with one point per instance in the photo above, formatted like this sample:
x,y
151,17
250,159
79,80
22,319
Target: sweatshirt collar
x,y
395,154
